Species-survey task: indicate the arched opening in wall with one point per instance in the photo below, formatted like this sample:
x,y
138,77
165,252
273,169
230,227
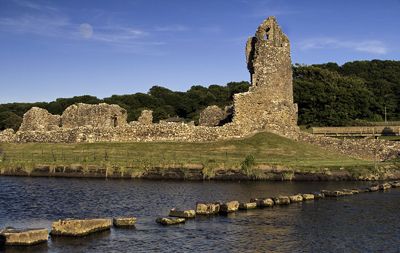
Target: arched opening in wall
x,y
115,121
266,35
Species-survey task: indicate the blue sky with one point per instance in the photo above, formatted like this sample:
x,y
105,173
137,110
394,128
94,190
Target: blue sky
x,y
51,49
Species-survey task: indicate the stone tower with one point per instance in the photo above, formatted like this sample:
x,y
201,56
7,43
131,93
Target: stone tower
x,y
269,102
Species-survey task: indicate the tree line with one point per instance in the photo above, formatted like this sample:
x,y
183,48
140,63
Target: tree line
x,y
327,95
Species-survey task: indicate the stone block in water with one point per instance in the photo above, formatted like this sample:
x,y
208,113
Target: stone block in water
x,y
14,237
229,207
263,202
75,227
308,196
385,186
296,198
282,200
247,206
207,208
170,221
124,221
182,213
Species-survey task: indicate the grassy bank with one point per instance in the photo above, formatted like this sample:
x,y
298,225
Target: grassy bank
x,y
265,148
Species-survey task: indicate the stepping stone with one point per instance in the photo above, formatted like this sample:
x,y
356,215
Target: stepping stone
x,y
75,227
395,184
296,198
318,195
207,208
124,221
263,202
308,196
374,188
229,207
247,206
385,186
333,193
182,214
14,237
170,221
282,200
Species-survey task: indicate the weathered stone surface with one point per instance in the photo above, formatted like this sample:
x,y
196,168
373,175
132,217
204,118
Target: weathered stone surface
x,y
270,67
247,206
182,213
385,186
8,135
282,200
73,227
308,196
395,184
229,207
296,198
374,188
38,119
333,193
263,202
100,116
124,221
207,208
212,116
146,118
12,236
318,195
170,221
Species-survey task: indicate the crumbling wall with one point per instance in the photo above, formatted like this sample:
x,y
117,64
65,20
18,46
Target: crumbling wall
x,y
211,116
101,115
146,117
269,102
38,119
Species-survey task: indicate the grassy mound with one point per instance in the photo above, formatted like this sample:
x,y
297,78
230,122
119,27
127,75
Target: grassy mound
x,y
262,148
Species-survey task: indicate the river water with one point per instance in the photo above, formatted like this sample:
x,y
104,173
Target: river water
x,y
368,222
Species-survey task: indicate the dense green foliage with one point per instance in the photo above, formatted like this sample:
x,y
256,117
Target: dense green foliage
x,y
327,95
333,95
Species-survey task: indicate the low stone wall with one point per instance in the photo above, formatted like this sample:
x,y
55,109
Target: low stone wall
x,y
370,149
165,131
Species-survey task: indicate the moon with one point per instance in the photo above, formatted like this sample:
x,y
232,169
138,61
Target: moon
x,y
86,30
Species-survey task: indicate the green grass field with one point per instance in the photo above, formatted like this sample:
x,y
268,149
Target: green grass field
x,y
266,148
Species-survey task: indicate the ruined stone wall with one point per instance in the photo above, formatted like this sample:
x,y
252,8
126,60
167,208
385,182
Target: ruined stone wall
x,y
101,115
38,119
269,102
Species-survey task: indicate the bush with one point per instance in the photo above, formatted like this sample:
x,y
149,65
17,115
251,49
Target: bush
x,y
248,164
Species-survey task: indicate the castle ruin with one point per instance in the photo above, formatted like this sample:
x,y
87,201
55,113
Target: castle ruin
x,y
267,106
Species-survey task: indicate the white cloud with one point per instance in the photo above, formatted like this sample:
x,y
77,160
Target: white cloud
x,y
86,30
368,46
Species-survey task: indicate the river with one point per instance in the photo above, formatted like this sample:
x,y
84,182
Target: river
x,y
368,222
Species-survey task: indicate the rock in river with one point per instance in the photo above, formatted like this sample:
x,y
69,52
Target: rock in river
x,y
229,207
263,202
395,184
308,196
74,227
296,198
182,213
124,221
170,221
12,236
247,206
207,208
385,186
282,200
